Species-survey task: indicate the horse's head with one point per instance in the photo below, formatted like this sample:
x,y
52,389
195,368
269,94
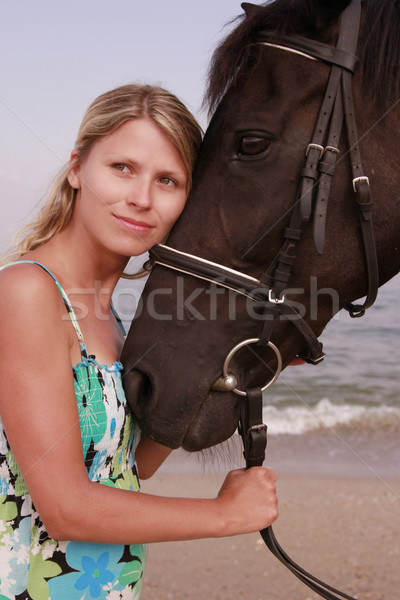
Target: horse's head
x,y
245,191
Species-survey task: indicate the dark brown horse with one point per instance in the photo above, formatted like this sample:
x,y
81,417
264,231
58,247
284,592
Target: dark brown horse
x,y
246,188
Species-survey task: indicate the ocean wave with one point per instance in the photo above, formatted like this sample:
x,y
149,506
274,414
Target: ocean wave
x,y
296,420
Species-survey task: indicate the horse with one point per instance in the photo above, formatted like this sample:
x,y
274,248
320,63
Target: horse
x,y
305,103
261,259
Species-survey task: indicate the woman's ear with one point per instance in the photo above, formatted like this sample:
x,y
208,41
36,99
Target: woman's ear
x,y
73,172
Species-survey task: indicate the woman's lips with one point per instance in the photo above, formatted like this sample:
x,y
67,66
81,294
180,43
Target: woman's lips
x,y
133,225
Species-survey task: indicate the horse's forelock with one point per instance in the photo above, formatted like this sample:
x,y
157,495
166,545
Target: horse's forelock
x,y
312,18
281,16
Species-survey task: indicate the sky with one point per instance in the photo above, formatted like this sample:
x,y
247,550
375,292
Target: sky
x,y
57,56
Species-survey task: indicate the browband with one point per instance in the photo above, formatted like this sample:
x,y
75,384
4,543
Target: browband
x,y
310,48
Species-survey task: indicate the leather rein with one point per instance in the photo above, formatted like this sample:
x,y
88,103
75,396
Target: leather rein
x,y
268,290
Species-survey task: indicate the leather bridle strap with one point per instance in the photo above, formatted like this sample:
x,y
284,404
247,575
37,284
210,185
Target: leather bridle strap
x,y
204,269
311,49
254,437
240,283
363,195
252,429
321,158
326,168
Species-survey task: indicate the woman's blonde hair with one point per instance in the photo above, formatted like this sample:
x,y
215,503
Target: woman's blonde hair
x,y
106,113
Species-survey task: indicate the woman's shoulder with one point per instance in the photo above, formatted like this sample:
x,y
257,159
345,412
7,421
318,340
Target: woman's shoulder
x,y
24,285
34,325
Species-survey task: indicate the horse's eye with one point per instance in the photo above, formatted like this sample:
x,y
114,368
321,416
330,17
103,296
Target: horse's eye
x,y
253,145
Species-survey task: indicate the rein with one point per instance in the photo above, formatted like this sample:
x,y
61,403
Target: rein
x,y
268,290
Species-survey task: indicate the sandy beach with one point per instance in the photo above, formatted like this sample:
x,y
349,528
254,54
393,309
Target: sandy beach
x,y
339,519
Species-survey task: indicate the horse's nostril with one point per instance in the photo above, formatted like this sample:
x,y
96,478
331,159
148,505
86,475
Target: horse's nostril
x,y
138,390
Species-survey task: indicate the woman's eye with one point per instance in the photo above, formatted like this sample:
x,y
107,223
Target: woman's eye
x,y
253,145
166,181
121,167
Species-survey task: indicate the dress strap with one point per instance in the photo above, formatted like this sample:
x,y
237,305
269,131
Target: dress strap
x,y
118,319
65,298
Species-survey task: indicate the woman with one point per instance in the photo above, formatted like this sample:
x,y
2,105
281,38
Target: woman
x,y
62,534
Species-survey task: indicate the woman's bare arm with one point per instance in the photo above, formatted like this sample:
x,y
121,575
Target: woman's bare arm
x,y
39,412
149,456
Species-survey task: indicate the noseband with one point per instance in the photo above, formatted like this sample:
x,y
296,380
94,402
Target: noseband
x,y
268,290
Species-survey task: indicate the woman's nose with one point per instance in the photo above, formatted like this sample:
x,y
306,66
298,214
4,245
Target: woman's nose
x,y
140,195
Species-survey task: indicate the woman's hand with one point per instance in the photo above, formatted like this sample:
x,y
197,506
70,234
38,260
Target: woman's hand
x,y
248,500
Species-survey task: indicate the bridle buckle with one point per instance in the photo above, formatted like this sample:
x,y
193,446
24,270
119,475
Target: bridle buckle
x,y
274,300
359,180
332,149
315,147
256,429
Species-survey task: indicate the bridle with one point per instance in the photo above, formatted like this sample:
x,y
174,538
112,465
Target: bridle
x,y
312,199
268,290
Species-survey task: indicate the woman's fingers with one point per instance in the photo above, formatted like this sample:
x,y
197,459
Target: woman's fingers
x,y
249,501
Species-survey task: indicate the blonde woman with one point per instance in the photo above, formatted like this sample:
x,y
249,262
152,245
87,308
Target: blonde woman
x,y
73,524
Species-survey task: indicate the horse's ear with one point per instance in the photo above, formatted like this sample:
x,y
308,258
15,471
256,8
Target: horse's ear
x,y
251,9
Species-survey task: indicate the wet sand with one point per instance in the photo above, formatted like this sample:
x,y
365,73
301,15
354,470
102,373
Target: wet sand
x,y
339,519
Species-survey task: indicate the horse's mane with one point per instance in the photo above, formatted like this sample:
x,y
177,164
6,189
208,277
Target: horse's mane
x,y
379,50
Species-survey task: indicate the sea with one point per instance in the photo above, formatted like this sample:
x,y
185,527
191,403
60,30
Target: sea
x,y
358,383
342,416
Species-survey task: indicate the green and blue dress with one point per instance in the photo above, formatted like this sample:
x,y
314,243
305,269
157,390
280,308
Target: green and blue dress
x,y
35,566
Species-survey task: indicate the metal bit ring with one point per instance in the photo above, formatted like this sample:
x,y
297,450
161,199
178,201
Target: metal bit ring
x,y
246,343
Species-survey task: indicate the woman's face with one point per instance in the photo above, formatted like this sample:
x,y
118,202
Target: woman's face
x,y
131,188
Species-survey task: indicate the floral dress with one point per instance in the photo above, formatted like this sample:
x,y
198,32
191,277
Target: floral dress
x,y
34,566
